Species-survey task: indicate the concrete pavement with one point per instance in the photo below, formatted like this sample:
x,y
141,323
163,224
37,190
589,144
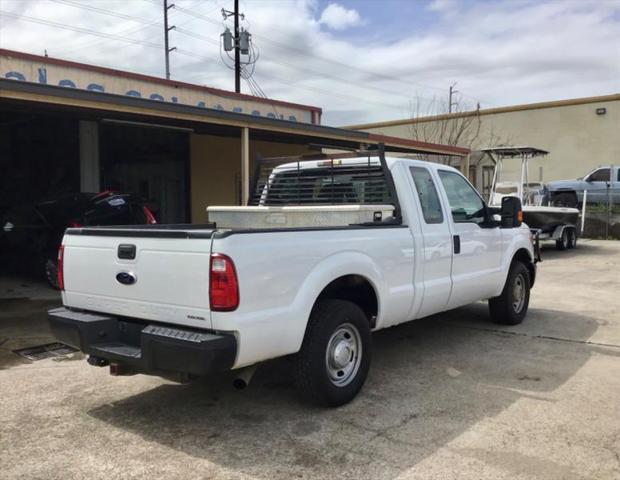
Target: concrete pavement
x,y
448,397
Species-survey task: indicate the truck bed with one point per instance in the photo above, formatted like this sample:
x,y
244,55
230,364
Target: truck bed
x,y
170,268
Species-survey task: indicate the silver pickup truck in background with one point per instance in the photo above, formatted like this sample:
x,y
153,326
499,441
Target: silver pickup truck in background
x,y
602,185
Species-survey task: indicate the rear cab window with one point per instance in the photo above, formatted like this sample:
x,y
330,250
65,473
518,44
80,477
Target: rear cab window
x,y
427,194
346,184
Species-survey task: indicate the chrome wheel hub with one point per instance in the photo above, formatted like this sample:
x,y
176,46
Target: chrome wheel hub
x,y
343,355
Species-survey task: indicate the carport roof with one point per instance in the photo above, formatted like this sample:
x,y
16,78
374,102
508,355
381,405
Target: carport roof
x,y
204,120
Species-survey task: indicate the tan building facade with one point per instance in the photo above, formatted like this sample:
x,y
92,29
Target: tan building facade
x,y
52,71
580,134
67,128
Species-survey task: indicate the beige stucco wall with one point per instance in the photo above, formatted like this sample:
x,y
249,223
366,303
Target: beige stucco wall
x,y
577,138
215,168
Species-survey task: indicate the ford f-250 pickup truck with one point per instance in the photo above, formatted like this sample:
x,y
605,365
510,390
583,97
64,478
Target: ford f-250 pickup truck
x,y
196,299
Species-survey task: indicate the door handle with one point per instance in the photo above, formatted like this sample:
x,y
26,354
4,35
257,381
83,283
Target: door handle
x,y
456,241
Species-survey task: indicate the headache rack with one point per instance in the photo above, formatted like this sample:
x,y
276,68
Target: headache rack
x,y
358,177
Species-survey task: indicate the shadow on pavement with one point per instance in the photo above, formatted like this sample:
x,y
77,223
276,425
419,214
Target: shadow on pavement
x,y
431,381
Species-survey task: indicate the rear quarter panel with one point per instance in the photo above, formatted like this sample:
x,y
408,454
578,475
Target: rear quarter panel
x,y
282,273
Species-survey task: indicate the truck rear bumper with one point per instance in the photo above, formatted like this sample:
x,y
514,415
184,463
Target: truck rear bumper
x,y
145,347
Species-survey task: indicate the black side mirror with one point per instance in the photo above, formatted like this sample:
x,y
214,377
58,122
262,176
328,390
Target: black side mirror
x,y
512,214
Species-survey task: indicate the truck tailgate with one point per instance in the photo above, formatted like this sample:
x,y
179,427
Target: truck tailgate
x,y
167,281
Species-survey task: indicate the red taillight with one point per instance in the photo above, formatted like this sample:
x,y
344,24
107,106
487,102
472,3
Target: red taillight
x,y
74,224
150,218
59,266
223,285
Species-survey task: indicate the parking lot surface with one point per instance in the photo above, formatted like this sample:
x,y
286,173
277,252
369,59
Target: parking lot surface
x,y
448,397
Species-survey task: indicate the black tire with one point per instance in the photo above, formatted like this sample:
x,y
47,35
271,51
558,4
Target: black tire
x,y
508,308
572,238
50,269
567,199
317,370
563,242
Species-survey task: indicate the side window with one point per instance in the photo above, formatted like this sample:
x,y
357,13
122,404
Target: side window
x,y
600,175
427,193
465,203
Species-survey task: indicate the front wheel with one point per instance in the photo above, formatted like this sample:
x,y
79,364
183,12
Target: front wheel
x,y
511,306
334,359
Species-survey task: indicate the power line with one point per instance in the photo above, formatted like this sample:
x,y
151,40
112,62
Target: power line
x,y
303,87
112,13
208,39
88,31
345,65
296,67
182,52
98,10
311,54
127,31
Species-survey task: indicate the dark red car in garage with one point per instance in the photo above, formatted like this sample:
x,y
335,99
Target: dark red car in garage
x,y
31,234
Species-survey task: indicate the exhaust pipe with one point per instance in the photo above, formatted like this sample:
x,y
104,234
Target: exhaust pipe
x,y
97,361
243,377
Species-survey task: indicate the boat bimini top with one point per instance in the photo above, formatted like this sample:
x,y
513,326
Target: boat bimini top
x,y
515,151
498,154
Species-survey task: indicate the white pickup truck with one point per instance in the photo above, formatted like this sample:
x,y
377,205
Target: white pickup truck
x,y
193,299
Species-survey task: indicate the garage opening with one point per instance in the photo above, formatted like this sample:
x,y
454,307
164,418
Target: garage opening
x,y
152,163
39,159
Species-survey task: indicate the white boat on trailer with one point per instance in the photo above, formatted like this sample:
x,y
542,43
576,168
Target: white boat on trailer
x,y
546,221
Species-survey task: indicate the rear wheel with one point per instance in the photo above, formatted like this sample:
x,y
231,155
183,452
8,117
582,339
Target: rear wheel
x,y
511,306
334,359
563,242
572,238
51,272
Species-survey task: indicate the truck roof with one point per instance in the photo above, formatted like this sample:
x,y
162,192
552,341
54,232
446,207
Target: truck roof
x,y
356,161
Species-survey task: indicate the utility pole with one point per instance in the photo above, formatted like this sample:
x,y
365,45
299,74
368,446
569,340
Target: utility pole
x,y
452,92
237,51
166,31
239,40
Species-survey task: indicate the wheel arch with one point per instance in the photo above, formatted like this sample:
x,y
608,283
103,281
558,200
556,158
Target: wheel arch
x,y
354,288
523,255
